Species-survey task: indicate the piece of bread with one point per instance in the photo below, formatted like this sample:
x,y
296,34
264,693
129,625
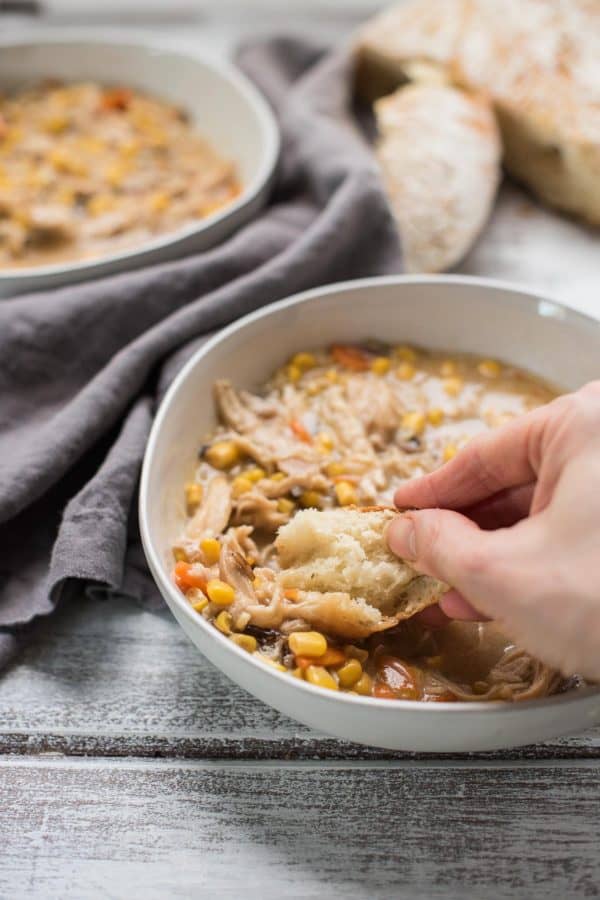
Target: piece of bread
x,y
439,152
539,62
344,552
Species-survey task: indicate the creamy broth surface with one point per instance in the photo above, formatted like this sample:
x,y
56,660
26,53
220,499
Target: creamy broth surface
x,y
87,170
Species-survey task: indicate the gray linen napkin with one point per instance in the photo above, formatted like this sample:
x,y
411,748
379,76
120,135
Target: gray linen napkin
x,y
82,368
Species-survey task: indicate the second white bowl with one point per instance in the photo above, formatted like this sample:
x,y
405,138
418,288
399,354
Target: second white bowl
x,y
220,101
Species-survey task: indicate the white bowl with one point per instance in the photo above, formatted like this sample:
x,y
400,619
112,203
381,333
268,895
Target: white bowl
x,y
221,102
452,313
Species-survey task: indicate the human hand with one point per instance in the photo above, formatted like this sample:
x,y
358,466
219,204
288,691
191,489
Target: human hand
x,y
513,524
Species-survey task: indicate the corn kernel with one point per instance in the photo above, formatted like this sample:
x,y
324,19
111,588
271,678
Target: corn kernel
x,y
331,375
64,162
304,361
381,365
245,641
255,475
294,373
90,145
353,652
223,455
320,677
307,643
116,173
211,550
285,506
33,179
334,469
450,451
270,662
325,442
130,148
220,593
349,673
345,493
435,415
453,386
66,196
193,497
405,371
278,476
414,422
100,204
405,353
310,500
364,685
56,124
240,485
196,599
159,201
315,388
489,368
297,673
179,555
223,622
448,367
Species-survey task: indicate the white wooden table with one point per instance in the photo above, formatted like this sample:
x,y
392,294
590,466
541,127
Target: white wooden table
x,y
129,767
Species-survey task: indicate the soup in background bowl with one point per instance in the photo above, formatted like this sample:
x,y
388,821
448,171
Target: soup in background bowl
x,y
83,224
452,316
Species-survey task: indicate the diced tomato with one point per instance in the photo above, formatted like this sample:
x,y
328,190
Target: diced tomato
x,y
444,697
396,680
351,357
383,691
117,98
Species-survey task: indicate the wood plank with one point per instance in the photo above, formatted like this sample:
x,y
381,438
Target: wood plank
x,y
82,828
108,678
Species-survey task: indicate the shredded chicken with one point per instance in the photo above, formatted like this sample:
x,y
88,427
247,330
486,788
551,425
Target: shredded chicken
x,y
256,509
213,514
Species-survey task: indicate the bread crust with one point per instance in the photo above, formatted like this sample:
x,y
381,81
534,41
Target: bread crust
x,y
339,559
537,60
439,152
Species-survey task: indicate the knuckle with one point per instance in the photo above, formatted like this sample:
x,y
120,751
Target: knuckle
x,y
477,561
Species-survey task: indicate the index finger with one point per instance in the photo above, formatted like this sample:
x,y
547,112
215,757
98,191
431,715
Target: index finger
x,y
490,463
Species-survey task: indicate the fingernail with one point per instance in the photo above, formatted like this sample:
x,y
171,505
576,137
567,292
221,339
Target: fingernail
x,y
401,538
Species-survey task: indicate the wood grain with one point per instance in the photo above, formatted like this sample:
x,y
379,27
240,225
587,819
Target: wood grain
x,y
111,679
78,829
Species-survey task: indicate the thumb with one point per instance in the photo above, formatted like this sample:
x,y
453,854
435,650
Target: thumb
x,y
438,542
485,567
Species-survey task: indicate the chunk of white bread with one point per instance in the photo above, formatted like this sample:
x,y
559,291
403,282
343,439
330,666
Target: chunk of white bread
x,y
345,550
439,152
537,60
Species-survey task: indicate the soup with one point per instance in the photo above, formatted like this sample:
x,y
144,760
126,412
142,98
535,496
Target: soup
x,y
88,170
343,427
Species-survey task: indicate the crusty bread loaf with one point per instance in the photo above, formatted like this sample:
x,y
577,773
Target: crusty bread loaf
x,y
439,152
539,62
345,551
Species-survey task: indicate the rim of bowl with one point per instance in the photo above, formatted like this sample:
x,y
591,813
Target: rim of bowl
x,y
529,298
229,72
